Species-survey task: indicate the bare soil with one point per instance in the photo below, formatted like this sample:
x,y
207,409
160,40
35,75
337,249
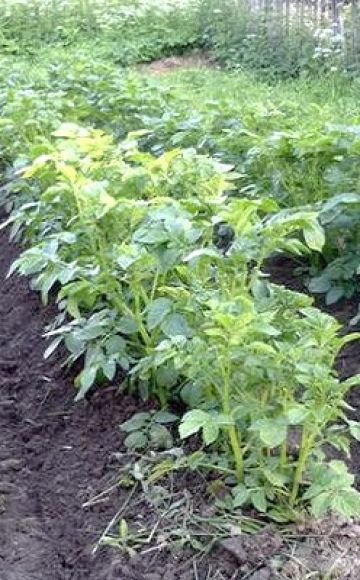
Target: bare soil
x,y
189,61
56,455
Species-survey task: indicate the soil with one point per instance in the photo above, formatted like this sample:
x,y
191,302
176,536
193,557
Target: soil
x,y
56,455
189,61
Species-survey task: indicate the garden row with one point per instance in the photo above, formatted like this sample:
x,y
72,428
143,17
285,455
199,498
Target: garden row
x,y
156,266
148,209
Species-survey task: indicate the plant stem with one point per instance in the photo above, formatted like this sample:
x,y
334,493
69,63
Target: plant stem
x,y
154,286
138,317
306,442
231,429
283,454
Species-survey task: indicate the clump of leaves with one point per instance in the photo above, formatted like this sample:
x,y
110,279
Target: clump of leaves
x,y
273,383
149,430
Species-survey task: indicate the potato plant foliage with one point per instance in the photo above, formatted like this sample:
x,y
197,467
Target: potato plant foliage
x,y
156,267
148,206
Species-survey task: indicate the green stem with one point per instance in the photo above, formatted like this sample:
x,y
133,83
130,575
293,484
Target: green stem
x,y
306,442
218,468
232,431
283,454
154,286
283,450
138,317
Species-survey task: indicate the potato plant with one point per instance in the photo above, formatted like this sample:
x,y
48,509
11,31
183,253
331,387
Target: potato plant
x,y
156,266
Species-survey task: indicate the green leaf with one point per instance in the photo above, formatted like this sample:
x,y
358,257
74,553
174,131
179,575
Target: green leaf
x,y
281,514
259,288
276,479
258,499
211,431
136,440
321,504
72,306
136,422
192,395
265,328
320,284
175,325
334,294
165,417
91,331
314,236
127,325
115,345
109,369
157,311
203,253
160,437
346,503
52,346
240,495
354,427
192,422
272,432
167,375
86,380
150,235
74,344
296,414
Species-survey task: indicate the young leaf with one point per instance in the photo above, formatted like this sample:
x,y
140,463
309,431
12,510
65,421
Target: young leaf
x,y
52,347
347,503
272,432
240,495
210,431
86,380
123,529
157,311
354,427
136,440
160,437
192,422
164,417
136,422
258,499
127,325
175,325
314,236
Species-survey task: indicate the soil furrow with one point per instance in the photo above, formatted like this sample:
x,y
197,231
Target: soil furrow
x,y
53,454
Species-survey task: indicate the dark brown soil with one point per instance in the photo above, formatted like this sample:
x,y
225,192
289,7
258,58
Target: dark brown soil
x,y
55,455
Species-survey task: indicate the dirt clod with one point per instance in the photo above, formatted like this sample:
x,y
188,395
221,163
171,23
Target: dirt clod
x,y
253,550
